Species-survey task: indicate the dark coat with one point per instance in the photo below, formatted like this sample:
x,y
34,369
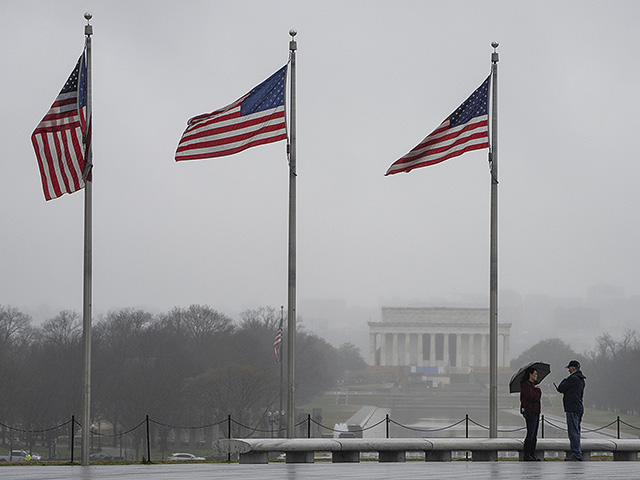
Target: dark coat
x,y
529,397
572,388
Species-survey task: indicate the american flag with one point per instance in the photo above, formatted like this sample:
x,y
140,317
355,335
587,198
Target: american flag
x,y
466,129
58,138
254,119
277,341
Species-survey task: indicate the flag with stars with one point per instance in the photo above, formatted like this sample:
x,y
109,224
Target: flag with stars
x,y
58,140
254,119
277,342
466,129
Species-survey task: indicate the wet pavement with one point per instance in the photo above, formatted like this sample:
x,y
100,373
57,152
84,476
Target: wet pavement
x,y
503,470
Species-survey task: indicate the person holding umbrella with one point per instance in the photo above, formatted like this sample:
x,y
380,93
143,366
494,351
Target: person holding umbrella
x,y
525,381
530,394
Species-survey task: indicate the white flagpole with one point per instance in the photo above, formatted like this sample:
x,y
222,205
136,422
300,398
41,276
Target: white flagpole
x,y
86,310
493,280
291,313
281,411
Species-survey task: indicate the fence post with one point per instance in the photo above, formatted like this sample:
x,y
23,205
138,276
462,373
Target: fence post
x,y
542,429
229,435
308,425
387,425
618,421
466,433
148,442
72,436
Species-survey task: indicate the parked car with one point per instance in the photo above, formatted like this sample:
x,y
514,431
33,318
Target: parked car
x,y
102,457
184,456
19,456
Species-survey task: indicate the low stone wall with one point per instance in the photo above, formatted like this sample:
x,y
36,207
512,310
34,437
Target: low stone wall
x,y
303,450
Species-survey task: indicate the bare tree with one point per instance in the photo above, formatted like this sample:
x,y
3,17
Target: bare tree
x,y
16,335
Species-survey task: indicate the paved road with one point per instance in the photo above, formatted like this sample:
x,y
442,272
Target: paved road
x,y
364,471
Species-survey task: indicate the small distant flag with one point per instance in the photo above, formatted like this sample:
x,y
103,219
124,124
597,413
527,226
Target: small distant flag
x,y
277,342
466,129
58,138
254,119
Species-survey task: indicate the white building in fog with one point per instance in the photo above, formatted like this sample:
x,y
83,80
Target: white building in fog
x,y
454,339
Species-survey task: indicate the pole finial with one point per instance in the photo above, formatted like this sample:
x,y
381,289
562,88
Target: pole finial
x,y
494,55
88,28
293,45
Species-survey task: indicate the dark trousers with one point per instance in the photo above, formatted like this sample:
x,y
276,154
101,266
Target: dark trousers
x,y
532,420
573,429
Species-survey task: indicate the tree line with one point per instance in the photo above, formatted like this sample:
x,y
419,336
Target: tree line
x,y
610,368
189,366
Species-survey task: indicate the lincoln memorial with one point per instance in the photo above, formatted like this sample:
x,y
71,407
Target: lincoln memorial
x,y
450,339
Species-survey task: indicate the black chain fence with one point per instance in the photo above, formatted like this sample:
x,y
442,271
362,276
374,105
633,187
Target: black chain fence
x,y
150,435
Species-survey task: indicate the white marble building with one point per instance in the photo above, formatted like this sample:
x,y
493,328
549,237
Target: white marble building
x,y
451,339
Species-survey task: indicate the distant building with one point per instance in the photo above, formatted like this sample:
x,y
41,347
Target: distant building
x,y
435,340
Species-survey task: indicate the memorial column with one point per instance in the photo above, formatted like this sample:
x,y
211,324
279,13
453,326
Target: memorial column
x,y
432,349
506,360
445,354
407,349
372,349
394,350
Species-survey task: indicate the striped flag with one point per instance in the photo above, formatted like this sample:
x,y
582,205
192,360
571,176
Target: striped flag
x,y
58,138
277,341
466,129
254,119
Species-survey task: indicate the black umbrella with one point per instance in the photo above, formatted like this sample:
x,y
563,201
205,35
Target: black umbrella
x,y
543,370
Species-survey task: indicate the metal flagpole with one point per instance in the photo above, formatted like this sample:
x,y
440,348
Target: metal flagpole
x,y
493,281
86,310
291,313
281,411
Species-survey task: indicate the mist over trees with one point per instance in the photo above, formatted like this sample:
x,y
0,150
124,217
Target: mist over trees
x,y
188,367
614,366
553,351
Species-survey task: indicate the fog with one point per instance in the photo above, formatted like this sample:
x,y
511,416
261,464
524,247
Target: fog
x,y
373,78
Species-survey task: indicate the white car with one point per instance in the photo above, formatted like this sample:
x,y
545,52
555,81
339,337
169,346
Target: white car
x,y
19,456
183,456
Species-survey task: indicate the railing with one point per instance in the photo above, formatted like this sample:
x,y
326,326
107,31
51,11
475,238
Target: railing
x,y
305,426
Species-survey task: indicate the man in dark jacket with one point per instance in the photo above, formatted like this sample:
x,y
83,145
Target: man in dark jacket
x,y
572,389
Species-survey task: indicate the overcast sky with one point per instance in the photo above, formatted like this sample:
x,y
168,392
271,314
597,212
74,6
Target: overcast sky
x,y
373,78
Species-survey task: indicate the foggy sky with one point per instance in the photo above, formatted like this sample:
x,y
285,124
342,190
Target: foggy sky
x,y
373,78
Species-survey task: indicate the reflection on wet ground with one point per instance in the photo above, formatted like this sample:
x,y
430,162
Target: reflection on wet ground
x,y
502,470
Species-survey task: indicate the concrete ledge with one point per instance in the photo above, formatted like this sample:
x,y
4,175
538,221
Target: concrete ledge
x,y
437,456
392,456
386,444
254,457
302,450
300,457
345,456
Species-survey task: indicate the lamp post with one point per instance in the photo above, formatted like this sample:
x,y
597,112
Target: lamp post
x,y
275,418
